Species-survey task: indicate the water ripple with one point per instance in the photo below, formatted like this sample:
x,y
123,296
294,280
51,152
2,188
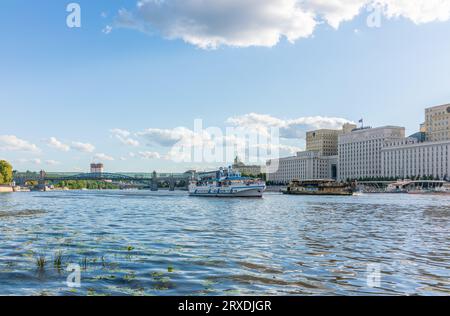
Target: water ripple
x,y
147,243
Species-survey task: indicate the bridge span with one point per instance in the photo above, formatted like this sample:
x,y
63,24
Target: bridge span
x,y
152,180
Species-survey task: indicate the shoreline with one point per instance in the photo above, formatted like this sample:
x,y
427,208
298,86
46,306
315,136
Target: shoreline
x,y
6,189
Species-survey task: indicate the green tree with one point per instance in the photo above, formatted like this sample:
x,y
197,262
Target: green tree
x,y
6,172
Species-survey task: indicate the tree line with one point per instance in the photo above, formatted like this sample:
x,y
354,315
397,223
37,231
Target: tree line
x,y
6,172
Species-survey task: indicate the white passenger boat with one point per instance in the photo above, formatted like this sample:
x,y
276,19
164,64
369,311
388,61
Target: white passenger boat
x,y
232,185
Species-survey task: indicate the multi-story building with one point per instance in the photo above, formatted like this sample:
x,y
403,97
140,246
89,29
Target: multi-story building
x,y
97,168
437,123
408,158
359,152
325,141
250,170
306,165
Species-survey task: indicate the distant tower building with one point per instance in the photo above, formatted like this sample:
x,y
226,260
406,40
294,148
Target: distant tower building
x,y
437,123
249,170
97,168
325,141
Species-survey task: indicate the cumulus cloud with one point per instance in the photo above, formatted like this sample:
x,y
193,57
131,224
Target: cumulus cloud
x,y
246,135
35,161
290,129
334,12
52,162
56,144
418,11
102,156
165,137
212,23
83,147
149,155
209,24
13,143
124,137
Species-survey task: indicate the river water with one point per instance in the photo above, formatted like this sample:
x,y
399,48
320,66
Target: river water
x,y
161,243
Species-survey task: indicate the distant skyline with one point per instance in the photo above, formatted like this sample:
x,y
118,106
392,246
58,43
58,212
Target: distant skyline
x,y
128,84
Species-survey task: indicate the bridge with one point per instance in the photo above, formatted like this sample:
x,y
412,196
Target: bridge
x,y
151,180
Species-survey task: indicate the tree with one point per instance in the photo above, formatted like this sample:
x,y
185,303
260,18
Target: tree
x,y
6,172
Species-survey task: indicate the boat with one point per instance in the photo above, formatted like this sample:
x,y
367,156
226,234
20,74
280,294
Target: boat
x,y
398,187
443,190
231,185
319,187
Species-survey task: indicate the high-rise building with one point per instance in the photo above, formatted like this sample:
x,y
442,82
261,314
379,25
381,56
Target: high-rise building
x,y
97,168
325,141
359,152
437,123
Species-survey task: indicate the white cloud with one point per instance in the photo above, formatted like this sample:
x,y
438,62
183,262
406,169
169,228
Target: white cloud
x,y
245,133
291,129
124,137
107,29
13,143
102,156
418,11
83,147
165,137
212,23
52,162
334,12
56,144
35,161
209,24
149,155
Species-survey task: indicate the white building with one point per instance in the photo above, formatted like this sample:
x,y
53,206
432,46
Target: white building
x,y
408,158
306,165
359,152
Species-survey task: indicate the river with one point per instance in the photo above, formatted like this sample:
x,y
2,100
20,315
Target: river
x,y
166,243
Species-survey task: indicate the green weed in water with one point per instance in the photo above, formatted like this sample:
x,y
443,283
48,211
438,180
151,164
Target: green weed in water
x,y
41,262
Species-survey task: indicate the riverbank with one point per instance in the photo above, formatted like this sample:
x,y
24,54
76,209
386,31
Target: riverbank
x,y
6,189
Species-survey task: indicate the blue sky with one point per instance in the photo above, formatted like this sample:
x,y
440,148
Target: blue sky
x,y
80,85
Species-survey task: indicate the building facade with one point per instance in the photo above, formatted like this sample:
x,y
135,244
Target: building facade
x,y
437,123
97,168
325,141
408,159
306,165
250,170
359,152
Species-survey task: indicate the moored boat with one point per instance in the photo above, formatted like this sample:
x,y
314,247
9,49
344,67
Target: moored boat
x,y
320,187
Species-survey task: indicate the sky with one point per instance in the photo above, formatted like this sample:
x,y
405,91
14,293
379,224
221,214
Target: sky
x,y
126,87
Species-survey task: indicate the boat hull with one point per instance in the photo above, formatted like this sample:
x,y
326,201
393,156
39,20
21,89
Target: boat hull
x,y
318,193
